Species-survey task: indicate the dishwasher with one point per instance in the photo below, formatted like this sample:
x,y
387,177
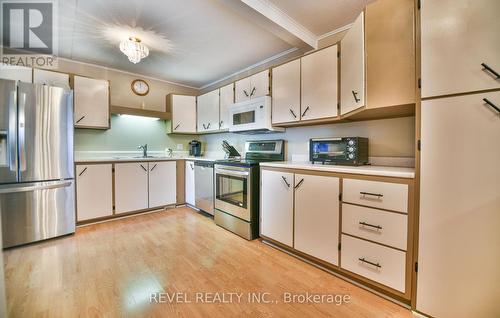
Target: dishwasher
x,y
204,186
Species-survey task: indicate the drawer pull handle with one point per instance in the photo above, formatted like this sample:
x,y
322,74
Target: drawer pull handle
x,y
154,167
286,182
371,263
293,114
487,101
370,225
298,184
246,94
373,194
489,69
83,171
177,126
253,91
143,168
79,120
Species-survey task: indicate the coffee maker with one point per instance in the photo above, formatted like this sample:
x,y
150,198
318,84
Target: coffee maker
x,y
195,148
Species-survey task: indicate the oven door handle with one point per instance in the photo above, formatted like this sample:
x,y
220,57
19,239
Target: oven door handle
x,y
232,172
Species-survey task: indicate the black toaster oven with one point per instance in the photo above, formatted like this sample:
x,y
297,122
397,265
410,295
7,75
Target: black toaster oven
x,y
342,151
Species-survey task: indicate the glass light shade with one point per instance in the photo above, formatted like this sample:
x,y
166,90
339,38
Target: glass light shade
x,y
134,49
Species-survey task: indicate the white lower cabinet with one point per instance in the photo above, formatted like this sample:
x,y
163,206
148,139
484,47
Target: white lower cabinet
x,y
317,216
162,183
94,191
379,263
189,184
276,219
131,187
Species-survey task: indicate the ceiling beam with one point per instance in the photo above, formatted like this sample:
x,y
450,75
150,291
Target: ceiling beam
x,y
271,18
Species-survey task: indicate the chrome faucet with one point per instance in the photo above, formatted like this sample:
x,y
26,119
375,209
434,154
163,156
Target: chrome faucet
x,y
144,150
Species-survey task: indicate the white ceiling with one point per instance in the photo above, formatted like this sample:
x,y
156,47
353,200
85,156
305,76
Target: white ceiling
x,y
322,16
192,42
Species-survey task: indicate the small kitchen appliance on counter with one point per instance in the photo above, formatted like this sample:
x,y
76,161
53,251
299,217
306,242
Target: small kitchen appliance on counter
x,y
195,148
237,187
351,151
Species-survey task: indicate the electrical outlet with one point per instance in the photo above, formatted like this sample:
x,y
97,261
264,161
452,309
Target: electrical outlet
x,y
180,147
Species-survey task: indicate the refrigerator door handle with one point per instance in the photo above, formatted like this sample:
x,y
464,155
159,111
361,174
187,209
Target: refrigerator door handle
x,y
22,132
11,134
32,187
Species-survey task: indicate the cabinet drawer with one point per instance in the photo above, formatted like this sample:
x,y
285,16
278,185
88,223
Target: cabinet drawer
x,y
378,263
375,225
382,195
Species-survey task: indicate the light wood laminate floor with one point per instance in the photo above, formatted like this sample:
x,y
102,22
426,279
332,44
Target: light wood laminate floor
x,y
110,270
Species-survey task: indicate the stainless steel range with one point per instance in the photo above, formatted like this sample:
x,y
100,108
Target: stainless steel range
x,y
237,187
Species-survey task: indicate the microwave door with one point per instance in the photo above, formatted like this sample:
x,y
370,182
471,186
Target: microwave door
x,y
8,132
45,133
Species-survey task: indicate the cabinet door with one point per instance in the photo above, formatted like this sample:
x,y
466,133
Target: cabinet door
x,y
94,191
183,113
131,186
450,65
459,207
208,111
317,216
319,84
91,102
352,70
390,53
190,183
286,92
226,99
242,90
16,73
51,78
276,216
162,183
259,84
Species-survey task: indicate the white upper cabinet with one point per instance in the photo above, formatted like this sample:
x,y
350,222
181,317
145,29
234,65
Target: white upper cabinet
x,y
253,86
226,98
208,111
317,216
183,108
94,191
319,84
189,186
91,98
162,183
458,36
51,78
352,70
131,186
276,217
286,92
16,73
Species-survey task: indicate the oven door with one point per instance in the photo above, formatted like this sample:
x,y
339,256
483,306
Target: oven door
x,y
232,191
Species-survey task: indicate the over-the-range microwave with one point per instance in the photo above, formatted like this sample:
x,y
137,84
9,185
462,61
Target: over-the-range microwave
x,y
252,116
339,150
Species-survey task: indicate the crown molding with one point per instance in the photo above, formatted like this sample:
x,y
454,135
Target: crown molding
x,y
333,32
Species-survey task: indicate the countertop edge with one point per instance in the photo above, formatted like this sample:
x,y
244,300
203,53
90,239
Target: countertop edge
x,y
359,170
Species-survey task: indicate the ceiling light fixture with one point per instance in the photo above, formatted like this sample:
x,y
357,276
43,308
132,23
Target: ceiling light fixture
x,y
134,49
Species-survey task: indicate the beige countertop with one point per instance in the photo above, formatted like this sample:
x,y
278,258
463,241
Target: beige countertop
x,y
398,172
139,159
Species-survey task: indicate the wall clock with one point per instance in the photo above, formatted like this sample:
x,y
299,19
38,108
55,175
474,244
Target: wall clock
x,y
140,87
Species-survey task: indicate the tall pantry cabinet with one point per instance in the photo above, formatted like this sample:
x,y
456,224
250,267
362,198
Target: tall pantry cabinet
x,y
459,219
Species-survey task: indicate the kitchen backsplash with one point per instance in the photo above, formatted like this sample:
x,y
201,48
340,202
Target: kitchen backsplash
x,y
391,141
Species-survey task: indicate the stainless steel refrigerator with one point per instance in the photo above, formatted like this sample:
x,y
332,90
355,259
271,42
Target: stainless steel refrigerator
x,y
37,195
